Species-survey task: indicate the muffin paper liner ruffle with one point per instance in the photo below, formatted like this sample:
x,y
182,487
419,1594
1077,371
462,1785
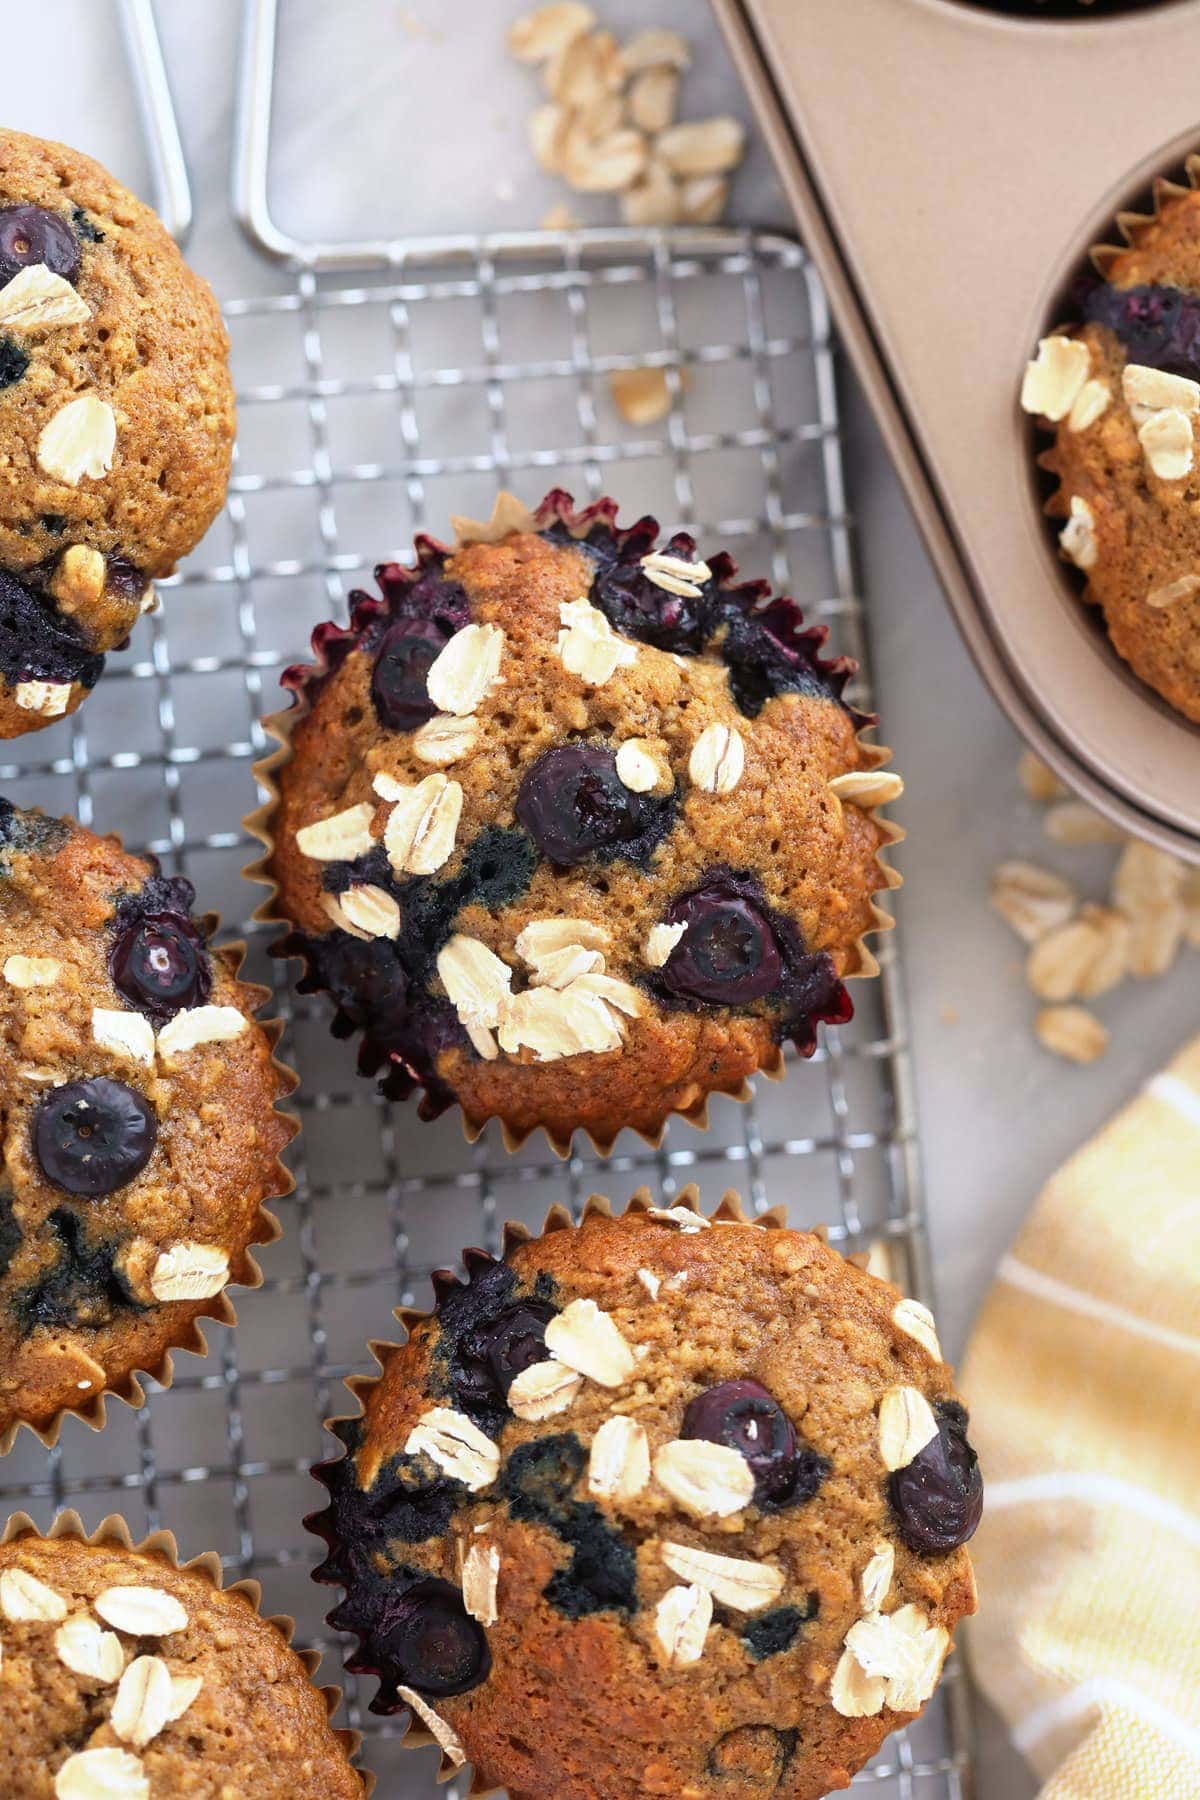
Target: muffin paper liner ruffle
x,y
115,1531
245,1271
1131,224
332,643
729,1210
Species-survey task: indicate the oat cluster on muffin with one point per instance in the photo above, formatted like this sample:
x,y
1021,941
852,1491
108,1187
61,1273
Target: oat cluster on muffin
x,y
116,421
140,1136
127,1677
1121,391
575,828
656,1504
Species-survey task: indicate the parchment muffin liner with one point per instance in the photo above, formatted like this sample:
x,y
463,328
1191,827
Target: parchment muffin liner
x,y
245,1271
114,1532
332,643
730,1209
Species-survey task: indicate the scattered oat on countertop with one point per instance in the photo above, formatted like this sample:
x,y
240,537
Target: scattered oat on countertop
x,y
1081,949
609,121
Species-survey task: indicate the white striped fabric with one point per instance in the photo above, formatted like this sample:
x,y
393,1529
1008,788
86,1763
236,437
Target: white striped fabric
x,y
1085,1405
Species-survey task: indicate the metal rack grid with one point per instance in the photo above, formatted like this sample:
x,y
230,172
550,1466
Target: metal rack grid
x,y
352,437
357,429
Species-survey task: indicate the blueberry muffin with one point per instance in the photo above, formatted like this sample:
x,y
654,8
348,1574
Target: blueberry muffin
x,y
116,421
1120,389
574,830
126,1677
656,1505
140,1131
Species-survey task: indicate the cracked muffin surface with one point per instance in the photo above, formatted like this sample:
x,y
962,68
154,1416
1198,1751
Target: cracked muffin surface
x,y
574,830
116,421
1120,390
656,1505
126,1675
140,1136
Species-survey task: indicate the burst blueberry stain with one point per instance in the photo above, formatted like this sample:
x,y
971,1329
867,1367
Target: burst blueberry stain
x,y
746,1417
37,643
85,227
487,1334
771,1633
763,640
34,234
639,608
14,360
381,988
93,1137
1159,326
538,1481
577,809
10,1232
754,1756
83,1286
938,1498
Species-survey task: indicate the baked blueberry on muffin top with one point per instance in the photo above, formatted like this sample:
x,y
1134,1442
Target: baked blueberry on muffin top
x,y
140,1136
1120,389
573,829
656,1505
116,421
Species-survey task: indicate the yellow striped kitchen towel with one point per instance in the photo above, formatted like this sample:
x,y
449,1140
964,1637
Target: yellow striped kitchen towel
x,y
1083,1377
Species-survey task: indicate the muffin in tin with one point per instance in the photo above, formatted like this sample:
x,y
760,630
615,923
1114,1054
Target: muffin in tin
x,y
574,829
1120,389
128,1677
116,421
657,1504
140,1135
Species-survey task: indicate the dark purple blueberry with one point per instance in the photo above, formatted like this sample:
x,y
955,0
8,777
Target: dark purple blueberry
x,y
31,234
159,964
746,1417
637,606
122,579
1159,326
938,1498
727,954
366,979
92,1137
37,643
574,805
14,360
401,667
493,1354
429,1641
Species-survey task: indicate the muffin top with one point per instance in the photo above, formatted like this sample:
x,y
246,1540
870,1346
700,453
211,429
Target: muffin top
x,y
1121,391
656,1505
124,1675
140,1135
574,830
116,420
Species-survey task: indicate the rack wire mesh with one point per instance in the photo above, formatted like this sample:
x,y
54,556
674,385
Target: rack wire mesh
x,y
373,406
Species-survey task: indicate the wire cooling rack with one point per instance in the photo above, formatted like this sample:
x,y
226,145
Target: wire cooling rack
x,y
372,406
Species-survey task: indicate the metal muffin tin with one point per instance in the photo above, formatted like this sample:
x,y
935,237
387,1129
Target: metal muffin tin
x,y
951,167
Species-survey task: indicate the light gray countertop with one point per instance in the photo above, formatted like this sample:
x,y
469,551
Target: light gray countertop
x,y
435,137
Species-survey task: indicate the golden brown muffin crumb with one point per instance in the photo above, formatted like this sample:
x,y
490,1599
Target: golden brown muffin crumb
x,y
567,872
118,1663
120,1225
624,1512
